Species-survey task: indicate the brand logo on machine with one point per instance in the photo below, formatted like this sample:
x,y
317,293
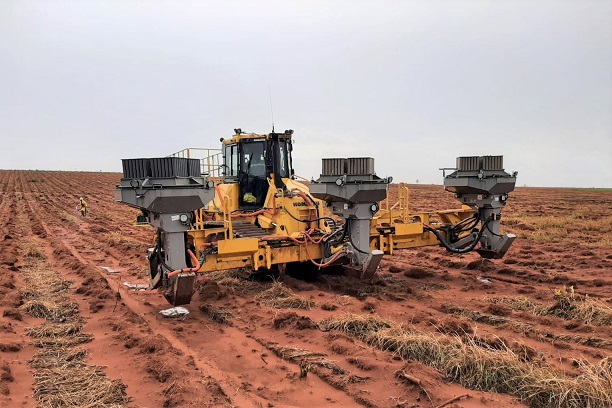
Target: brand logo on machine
x,y
300,204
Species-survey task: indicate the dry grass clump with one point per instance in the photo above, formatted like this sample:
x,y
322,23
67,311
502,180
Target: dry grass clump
x,y
63,342
45,294
115,238
159,370
228,273
10,347
568,305
520,303
479,317
293,302
356,325
235,279
306,359
43,283
32,251
277,290
524,328
241,286
596,342
359,363
293,354
62,379
77,387
55,330
55,357
329,306
464,361
318,364
216,314
64,216
281,297
51,310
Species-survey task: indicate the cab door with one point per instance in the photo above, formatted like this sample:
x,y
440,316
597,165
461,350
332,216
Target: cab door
x,y
252,177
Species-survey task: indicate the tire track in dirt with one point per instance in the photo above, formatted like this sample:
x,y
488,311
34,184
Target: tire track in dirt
x,y
16,382
61,375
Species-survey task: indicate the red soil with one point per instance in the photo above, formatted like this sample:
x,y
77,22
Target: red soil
x,y
195,361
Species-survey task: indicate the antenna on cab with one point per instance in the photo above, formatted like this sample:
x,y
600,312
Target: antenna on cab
x,y
271,111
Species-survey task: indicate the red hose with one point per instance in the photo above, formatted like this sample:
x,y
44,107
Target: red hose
x,y
307,238
221,199
187,270
309,203
326,264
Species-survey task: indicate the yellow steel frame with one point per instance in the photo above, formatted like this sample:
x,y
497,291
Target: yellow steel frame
x,y
280,219
403,229
393,228
251,252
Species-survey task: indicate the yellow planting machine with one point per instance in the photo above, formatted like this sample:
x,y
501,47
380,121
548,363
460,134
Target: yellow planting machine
x,y
244,207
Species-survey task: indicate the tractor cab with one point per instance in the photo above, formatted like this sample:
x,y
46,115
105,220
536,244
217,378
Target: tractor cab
x,y
250,160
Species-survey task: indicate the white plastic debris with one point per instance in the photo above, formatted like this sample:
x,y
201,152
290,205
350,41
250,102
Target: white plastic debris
x,y
174,311
109,270
484,280
137,286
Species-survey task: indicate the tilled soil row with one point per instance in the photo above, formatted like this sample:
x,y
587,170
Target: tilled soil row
x,y
148,363
240,345
62,377
159,348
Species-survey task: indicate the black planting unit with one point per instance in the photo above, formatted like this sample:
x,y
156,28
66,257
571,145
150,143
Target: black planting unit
x,y
194,168
136,168
160,167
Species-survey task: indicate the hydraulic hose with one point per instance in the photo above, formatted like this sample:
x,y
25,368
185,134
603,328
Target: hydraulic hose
x,y
309,221
344,230
187,270
351,239
328,263
157,252
463,224
315,204
336,241
456,250
256,212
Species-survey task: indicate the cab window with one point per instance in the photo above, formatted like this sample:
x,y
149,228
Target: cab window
x,y
230,157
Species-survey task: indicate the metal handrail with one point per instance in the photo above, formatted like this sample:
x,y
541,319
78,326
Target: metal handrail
x,y
211,160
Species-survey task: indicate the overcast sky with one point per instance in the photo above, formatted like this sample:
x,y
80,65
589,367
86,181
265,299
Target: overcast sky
x,y
411,83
